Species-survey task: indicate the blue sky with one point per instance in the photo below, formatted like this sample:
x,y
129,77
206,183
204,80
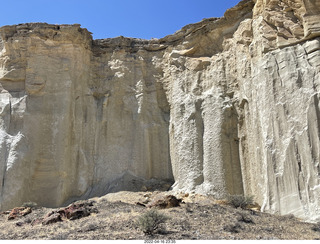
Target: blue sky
x,y
110,18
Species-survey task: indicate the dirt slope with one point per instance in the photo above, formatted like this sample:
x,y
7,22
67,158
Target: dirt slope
x,y
114,216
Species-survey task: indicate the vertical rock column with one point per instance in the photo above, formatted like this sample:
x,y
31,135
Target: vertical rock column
x,y
282,131
203,129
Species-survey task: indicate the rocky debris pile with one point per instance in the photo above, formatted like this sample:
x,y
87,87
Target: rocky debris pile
x,y
74,211
162,202
169,201
17,212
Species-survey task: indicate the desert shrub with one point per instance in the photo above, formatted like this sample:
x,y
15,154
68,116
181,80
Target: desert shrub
x,y
30,204
233,228
151,222
316,227
246,218
240,201
60,236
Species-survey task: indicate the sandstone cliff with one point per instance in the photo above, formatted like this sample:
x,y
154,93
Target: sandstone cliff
x,y
225,106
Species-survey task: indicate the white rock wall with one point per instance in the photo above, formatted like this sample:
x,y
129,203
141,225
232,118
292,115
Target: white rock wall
x,y
76,123
223,106
280,132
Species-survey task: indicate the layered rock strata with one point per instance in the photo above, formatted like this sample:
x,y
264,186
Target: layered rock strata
x,y
225,106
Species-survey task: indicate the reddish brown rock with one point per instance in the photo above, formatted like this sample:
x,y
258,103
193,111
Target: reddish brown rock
x,y
51,218
73,211
18,212
169,201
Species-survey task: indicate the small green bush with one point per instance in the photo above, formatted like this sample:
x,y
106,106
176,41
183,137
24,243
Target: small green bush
x,y
240,201
151,222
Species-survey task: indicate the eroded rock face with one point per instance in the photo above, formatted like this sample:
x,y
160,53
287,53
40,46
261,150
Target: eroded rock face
x,y
223,106
75,119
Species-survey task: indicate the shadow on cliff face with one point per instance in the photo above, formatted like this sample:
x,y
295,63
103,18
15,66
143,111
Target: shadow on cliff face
x,y
132,183
230,151
126,182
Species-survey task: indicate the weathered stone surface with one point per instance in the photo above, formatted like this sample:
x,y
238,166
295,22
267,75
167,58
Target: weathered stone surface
x,y
18,212
74,211
80,120
51,218
223,106
162,202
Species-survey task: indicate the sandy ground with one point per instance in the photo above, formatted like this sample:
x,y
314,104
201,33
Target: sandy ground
x,y
114,217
